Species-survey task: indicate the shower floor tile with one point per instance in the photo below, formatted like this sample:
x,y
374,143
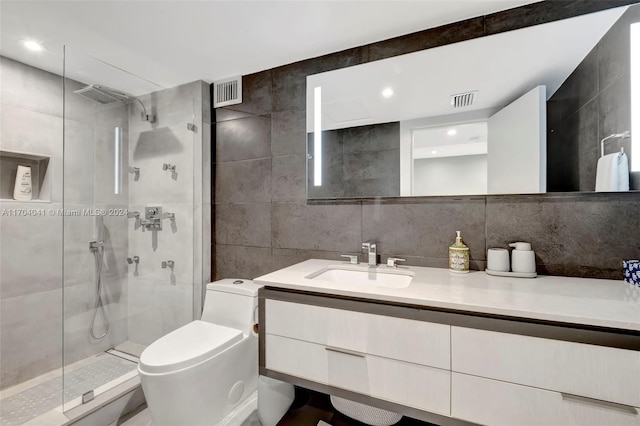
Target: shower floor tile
x,y
17,408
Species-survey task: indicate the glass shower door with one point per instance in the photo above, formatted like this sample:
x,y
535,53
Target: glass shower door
x,y
128,222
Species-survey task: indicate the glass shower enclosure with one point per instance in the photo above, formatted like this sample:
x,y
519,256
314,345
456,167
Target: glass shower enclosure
x,y
128,221
109,248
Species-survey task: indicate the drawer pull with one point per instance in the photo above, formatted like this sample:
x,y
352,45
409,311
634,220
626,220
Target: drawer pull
x,y
344,351
600,403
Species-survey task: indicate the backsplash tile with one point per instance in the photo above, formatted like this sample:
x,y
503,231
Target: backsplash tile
x,y
581,235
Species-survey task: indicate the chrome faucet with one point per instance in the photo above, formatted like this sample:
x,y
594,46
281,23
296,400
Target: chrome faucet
x,y
370,248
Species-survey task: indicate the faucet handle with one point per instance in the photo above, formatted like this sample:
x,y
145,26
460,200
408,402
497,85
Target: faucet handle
x,y
392,262
353,259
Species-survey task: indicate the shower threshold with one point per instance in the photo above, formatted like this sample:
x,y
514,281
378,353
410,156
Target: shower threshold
x,y
40,400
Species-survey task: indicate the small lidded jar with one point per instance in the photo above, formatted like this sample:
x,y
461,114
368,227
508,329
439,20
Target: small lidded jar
x,y
459,256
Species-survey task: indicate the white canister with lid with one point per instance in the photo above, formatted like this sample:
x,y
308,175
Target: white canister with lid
x,y
523,259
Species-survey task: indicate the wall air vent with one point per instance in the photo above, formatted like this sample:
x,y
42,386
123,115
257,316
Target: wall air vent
x,y
227,92
462,100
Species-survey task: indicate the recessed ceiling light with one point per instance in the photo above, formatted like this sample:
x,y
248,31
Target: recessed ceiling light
x,y
33,45
388,92
452,132
434,152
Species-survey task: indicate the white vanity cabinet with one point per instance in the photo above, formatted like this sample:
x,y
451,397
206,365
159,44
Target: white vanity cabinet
x,y
507,379
399,360
427,352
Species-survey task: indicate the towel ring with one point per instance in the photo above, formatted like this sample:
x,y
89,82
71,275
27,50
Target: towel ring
x,y
624,135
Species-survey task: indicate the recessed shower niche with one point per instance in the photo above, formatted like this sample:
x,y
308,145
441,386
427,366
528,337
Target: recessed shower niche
x,y
40,174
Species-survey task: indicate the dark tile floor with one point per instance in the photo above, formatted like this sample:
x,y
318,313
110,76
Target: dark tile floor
x,y
310,407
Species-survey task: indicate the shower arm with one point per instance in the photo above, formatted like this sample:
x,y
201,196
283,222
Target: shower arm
x,y
145,116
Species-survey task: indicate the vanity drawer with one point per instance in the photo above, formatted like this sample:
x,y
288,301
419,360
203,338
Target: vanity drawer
x,y
418,386
398,338
598,372
491,402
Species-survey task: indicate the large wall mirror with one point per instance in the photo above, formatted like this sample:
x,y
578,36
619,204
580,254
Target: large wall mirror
x,y
521,112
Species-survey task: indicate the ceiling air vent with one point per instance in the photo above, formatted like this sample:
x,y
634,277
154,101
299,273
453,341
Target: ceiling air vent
x,y
462,100
227,92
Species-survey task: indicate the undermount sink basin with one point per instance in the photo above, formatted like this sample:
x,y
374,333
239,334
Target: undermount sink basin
x,y
363,276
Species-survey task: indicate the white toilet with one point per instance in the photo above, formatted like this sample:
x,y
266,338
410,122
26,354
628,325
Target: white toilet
x,y
201,373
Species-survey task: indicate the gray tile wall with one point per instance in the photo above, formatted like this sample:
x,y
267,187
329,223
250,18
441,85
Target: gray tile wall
x,y
263,221
30,247
594,102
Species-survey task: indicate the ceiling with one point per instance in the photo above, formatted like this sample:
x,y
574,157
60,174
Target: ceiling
x,y
174,42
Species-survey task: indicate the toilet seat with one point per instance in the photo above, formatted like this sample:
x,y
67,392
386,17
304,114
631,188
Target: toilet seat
x,y
187,346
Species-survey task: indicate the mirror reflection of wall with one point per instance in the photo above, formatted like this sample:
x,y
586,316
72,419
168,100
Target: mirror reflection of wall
x,y
582,64
450,160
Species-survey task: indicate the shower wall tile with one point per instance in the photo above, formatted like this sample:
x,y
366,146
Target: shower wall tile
x,y
79,261
175,106
288,178
247,224
115,234
243,181
233,261
317,227
243,139
25,130
426,229
79,305
149,150
30,251
157,308
112,115
30,335
79,163
30,88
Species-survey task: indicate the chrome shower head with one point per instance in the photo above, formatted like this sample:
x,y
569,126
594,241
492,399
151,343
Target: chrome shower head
x,y
106,95
102,94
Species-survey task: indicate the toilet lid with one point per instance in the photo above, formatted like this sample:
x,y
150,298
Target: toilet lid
x,y
186,346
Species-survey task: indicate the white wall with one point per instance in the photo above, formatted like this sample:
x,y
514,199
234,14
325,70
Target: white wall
x,y
517,152
462,175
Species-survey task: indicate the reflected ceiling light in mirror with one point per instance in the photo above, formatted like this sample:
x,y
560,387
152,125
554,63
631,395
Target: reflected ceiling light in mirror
x,y
32,45
387,92
434,152
317,136
452,132
635,97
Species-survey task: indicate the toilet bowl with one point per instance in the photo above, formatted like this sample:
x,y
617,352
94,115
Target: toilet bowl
x,y
198,374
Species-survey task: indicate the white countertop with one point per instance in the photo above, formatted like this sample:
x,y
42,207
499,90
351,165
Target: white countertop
x,y
606,303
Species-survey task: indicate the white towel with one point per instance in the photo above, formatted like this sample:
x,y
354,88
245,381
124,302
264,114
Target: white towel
x,y
612,174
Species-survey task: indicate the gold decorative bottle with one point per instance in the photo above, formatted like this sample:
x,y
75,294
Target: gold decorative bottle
x,y
459,256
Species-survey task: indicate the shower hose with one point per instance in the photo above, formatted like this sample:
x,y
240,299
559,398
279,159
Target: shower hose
x,y
98,254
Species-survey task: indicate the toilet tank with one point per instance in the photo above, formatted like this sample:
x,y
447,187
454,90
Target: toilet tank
x,y
232,303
